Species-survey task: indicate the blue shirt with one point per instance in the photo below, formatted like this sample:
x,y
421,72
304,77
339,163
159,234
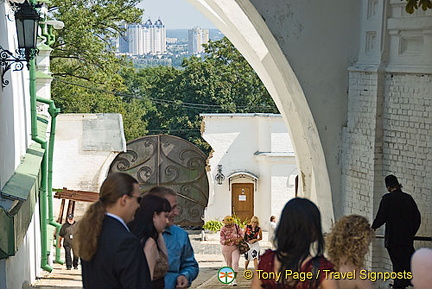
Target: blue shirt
x,y
180,256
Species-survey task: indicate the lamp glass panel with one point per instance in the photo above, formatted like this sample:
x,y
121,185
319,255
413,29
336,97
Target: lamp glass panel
x,y
35,33
20,32
29,32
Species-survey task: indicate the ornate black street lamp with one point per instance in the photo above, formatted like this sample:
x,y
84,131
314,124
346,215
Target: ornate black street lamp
x,y
219,178
26,21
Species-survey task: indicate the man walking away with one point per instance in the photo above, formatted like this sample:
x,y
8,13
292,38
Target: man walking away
x,y
66,234
399,212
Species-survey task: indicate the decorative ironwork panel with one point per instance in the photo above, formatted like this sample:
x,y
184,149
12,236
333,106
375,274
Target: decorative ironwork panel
x,y
173,162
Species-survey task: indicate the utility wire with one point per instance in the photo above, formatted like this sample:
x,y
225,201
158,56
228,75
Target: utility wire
x,y
188,105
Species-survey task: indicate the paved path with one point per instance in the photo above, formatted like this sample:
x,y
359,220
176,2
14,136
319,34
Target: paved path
x,y
208,254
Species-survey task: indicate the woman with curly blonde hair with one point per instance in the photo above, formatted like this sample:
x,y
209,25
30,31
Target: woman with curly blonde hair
x,y
347,245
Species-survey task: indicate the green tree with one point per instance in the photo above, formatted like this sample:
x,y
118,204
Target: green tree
x,y
415,4
220,82
85,69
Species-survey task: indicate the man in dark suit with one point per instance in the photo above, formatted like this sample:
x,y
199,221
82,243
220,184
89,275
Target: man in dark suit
x,y
114,258
399,212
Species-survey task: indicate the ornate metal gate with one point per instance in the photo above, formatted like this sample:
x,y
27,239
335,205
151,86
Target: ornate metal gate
x,y
173,162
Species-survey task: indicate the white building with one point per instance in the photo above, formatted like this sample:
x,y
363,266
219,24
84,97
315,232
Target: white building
x,y
144,38
255,154
26,227
159,37
135,39
196,38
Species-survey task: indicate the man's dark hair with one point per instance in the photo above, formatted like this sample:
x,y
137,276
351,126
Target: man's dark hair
x,y
392,182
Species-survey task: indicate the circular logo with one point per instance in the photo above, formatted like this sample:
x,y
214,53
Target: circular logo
x,y
226,275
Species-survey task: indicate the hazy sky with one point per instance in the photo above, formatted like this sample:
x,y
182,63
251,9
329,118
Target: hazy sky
x,y
175,14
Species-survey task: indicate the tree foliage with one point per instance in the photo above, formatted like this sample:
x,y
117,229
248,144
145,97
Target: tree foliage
x,y
85,69
220,82
90,78
415,4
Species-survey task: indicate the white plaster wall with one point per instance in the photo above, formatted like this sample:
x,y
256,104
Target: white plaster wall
x,y
82,164
14,106
24,267
15,138
283,187
255,143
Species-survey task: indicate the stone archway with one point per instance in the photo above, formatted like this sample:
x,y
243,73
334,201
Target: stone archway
x,y
246,29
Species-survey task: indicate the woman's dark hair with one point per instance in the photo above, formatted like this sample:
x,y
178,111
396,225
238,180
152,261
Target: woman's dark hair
x,y
299,228
142,226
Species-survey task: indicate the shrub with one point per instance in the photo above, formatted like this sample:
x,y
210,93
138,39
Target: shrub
x,y
213,225
239,222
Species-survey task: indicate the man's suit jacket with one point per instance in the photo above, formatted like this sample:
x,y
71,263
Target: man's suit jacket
x,y
119,261
399,212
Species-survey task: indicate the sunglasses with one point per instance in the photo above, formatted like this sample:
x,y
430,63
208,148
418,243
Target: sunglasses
x,y
138,198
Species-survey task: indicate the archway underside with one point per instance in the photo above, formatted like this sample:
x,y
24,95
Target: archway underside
x,y
246,29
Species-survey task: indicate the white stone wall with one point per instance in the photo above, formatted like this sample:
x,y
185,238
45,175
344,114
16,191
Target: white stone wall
x,y
407,137
389,117
85,146
360,147
362,156
388,132
255,143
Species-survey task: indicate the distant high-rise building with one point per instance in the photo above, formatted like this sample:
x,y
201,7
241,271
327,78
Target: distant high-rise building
x,y
159,37
144,38
196,38
148,38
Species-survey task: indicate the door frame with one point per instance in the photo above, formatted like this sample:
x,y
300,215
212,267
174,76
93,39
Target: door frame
x,y
252,198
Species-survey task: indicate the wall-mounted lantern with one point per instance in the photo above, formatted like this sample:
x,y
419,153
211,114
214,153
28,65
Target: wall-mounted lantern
x,y
26,21
219,177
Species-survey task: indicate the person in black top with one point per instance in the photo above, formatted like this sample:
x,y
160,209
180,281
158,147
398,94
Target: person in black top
x,y
66,234
399,212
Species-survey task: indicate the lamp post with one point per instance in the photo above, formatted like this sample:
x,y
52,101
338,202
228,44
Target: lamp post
x,y
219,177
26,21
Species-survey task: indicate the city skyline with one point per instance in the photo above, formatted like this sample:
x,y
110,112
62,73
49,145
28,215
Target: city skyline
x,y
175,14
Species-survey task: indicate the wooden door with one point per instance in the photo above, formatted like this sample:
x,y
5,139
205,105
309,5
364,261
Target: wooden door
x,y
243,200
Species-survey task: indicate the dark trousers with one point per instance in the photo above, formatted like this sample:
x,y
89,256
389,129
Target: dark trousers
x,y
401,260
68,256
